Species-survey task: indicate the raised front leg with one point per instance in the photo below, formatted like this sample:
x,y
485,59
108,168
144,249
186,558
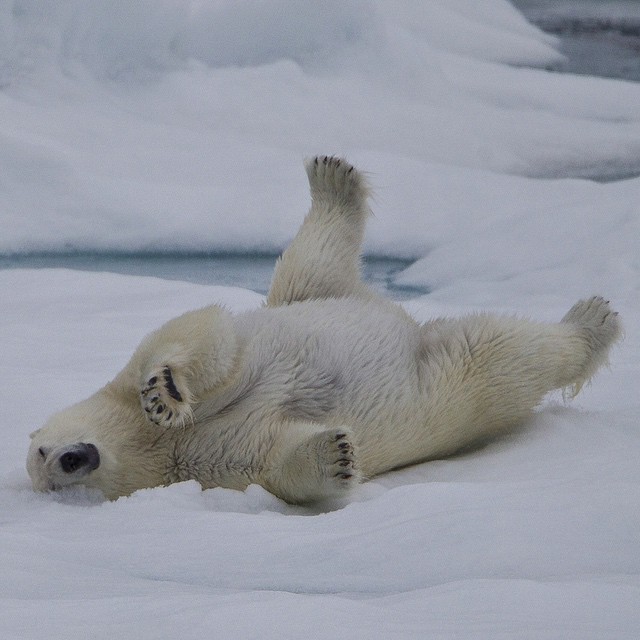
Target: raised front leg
x,y
181,363
310,462
161,398
323,260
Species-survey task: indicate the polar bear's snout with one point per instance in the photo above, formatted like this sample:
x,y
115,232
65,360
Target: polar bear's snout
x,y
52,468
81,458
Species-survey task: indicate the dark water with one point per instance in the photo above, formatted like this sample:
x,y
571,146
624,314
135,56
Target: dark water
x,y
597,38
249,271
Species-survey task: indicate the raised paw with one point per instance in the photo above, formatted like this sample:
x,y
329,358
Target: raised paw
x,y
597,317
334,180
590,312
162,401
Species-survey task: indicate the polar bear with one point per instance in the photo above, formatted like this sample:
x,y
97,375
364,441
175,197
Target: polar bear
x,y
324,386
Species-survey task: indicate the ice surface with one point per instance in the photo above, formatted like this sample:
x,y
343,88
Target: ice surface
x,y
534,536
153,125
181,125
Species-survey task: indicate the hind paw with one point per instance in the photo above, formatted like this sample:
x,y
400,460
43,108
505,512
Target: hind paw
x,y
334,178
596,316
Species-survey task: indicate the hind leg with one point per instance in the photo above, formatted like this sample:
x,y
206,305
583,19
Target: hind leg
x,y
535,358
554,356
487,373
310,462
323,260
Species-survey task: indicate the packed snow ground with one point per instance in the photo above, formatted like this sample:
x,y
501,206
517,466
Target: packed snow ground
x,y
182,125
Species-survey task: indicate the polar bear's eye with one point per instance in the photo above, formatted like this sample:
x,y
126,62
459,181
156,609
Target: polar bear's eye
x,y
42,452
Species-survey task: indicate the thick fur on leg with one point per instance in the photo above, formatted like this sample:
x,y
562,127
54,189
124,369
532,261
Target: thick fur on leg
x,y
598,327
487,373
323,260
178,365
310,462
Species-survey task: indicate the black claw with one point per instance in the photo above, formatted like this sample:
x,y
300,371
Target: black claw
x,y
345,476
340,436
344,445
170,385
160,408
152,381
325,160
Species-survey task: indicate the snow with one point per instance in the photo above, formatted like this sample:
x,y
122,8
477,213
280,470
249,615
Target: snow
x,y
147,125
181,125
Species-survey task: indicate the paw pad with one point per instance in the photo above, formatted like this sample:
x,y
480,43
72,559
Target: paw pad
x,y
335,180
162,401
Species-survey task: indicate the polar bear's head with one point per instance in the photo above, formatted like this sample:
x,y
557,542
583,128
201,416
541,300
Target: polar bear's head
x,y
102,442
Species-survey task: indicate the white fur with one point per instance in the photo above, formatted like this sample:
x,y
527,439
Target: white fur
x,y
326,385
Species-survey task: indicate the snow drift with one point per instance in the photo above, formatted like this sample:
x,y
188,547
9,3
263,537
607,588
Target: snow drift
x,y
181,125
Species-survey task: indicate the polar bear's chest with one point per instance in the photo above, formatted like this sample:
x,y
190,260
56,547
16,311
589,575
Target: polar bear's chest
x,y
346,369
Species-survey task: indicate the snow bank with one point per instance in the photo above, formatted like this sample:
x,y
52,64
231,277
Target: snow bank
x,y
581,237
182,125
120,38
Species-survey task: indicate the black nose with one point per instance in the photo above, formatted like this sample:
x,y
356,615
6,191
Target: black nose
x,y
82,456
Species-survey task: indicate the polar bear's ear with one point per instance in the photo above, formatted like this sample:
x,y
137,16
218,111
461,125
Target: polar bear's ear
x,y
33,434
